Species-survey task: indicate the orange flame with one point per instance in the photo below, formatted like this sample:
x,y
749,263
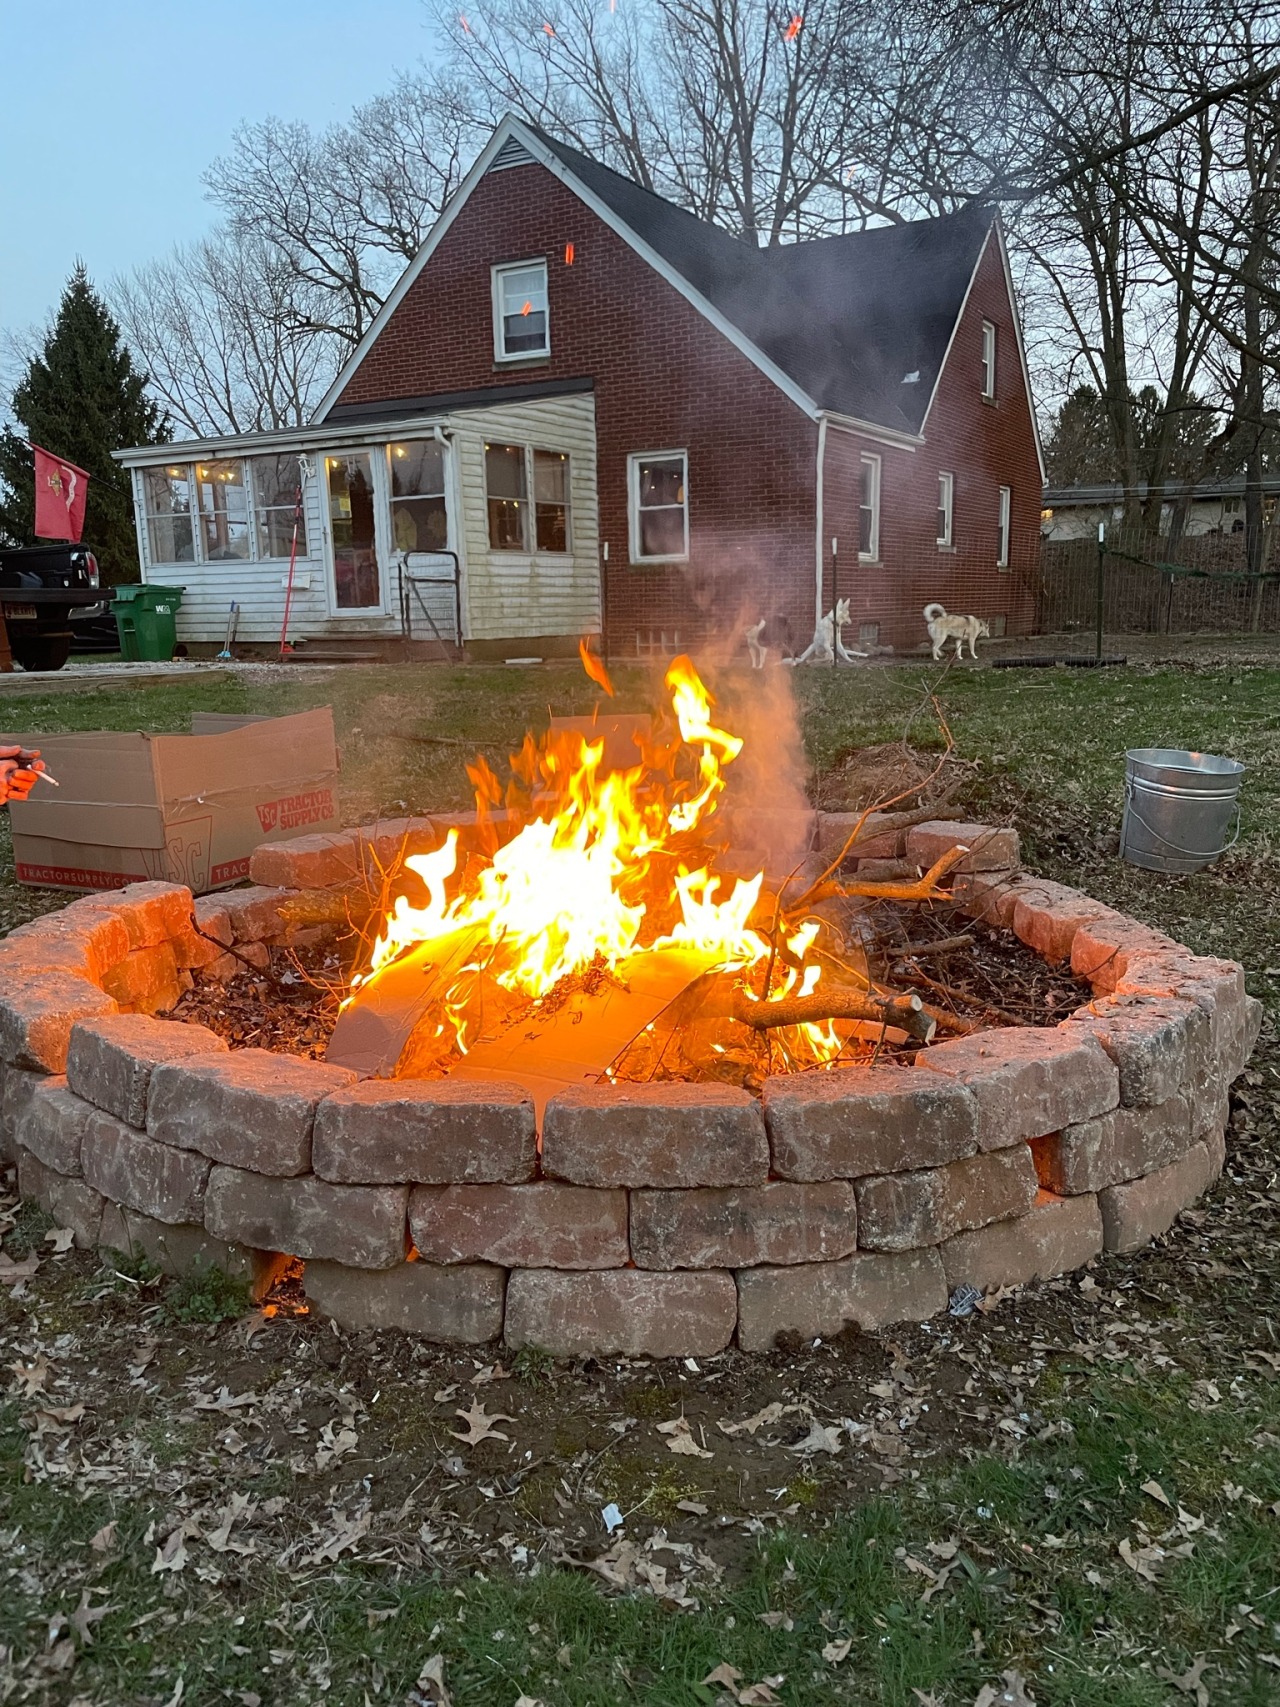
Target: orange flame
x,y
595,667
601,865
568,254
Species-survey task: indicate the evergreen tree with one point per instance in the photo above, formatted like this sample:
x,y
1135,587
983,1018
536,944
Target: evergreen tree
x,y
81,398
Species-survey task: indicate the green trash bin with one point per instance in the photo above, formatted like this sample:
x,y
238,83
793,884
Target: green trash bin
x,y
145,620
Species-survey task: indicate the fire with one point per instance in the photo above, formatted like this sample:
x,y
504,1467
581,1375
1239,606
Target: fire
x,y
602,866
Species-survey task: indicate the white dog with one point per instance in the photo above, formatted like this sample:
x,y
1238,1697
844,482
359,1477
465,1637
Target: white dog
x,y
827,643
958,628
759,652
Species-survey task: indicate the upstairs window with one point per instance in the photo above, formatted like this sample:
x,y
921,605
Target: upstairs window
x,y
419,521
275,490
988,361
869,510
946,510
520,322
1002,529
658,502
224,510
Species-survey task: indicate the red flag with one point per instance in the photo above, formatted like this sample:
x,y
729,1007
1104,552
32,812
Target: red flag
x,y
61,489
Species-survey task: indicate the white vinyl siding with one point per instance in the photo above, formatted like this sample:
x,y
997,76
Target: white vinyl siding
x,y
869,509
1002,528
946,510
540,591
504,593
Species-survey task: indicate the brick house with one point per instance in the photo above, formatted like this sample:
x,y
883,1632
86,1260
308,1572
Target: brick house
x,y
612,417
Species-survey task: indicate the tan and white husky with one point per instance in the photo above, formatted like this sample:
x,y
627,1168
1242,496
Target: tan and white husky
x,y
958,628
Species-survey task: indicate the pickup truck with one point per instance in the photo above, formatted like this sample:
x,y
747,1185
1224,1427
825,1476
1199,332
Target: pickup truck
x,y
41,587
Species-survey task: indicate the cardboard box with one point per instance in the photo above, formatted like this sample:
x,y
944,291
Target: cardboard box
x,y
184,808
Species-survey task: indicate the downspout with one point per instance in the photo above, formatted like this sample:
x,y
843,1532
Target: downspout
x,y
819,534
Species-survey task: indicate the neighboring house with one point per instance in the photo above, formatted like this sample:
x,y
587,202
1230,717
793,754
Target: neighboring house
x,y
622,419
1212,507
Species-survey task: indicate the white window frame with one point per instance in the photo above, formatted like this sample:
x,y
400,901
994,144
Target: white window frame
x,y
633,503
989,360
869,551
496,275
1004,510
530,547
947,509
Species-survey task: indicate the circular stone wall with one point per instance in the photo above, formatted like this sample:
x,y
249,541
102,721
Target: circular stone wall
x,y
660,1219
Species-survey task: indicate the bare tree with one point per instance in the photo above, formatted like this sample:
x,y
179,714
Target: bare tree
x,y
217,325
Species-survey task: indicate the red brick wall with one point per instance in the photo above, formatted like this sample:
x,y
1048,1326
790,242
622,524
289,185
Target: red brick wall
x,y
664,380
985,446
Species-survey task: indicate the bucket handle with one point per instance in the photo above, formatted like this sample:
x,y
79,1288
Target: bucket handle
x,y
1188,853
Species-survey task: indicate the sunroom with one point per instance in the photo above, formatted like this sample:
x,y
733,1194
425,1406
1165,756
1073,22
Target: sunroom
x,y
474,527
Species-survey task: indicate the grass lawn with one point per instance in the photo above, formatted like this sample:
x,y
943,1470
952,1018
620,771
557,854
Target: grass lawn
x,y
1072,1499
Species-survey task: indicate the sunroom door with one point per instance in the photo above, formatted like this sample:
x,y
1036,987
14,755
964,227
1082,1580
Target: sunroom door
x,y
355,582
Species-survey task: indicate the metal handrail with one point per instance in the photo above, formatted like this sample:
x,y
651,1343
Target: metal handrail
x,y
409,589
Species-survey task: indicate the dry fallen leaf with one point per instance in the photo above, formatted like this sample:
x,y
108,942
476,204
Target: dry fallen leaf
x,y
761,1419
29,1378
820,1438
61,1238
694,1507
172,1554
480,1426
348,1531
1142,1561
776,1620
105,1539
834,1652
85,1617
493,1372
239,1509
1157,1493
761,1694
724,1673
226,1401
1011,1693
334,1444
1190,1681
430,1690
680,1438
11,1271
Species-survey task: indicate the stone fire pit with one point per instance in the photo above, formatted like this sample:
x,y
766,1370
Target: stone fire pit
x,y
659,1219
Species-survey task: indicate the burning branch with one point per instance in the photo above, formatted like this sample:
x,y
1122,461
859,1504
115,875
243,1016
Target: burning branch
x,y
923,889
905,1012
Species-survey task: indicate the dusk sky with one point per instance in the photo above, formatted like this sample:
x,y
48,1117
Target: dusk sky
x,y
112,109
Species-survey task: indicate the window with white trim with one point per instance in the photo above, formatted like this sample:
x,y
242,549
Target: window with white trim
x,y
419,516
511,472
946,510
658,506
988,361
869,509
224,510
520,311
166,498
1002,529
276,480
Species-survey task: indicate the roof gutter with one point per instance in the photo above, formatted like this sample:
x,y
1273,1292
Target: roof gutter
x,y
869,430
279,440
818,538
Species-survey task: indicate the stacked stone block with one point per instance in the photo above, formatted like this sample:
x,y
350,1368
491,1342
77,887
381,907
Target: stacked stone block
x,y
654,1220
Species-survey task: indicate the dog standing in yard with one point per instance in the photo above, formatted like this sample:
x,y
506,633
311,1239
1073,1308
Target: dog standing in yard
x,y
958,628
827,642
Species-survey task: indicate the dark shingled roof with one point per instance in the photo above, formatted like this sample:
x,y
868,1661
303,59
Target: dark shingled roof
x,y
847,318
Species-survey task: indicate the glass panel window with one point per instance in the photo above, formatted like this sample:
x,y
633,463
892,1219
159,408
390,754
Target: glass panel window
x,y
520,310
659,507
167,501
1002,529
869,510
355,558
276,483
224,510
419,518
507,492
946,508
988,360
551,500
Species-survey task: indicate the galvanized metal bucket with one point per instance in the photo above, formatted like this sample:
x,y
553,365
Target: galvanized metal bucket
x,y
1178,808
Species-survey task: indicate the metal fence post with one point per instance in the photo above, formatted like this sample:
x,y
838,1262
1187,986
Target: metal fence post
x,y
1102,552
